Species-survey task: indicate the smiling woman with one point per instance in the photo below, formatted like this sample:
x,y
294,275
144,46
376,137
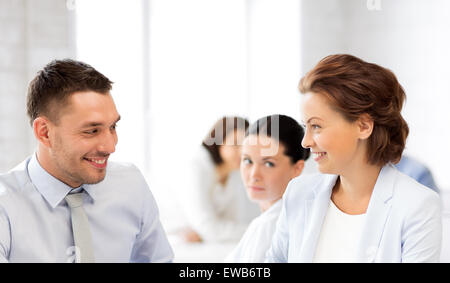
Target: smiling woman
x,y
361,209
371,93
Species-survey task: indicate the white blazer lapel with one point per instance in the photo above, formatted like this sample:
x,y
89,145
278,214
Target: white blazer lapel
x,y
377,214
315,211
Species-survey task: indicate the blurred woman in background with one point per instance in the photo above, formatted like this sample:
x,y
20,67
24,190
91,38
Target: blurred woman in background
x,y
271,156
213,196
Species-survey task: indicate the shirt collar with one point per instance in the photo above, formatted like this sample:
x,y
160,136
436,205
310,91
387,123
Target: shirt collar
x,y
275,208
52,189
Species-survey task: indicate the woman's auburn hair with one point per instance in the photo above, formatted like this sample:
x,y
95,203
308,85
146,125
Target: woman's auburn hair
x,y
355,87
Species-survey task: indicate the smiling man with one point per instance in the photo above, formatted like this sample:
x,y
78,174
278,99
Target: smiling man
x,y
67,202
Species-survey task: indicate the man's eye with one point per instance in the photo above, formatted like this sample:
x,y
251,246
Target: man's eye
x,y
91,132
246,161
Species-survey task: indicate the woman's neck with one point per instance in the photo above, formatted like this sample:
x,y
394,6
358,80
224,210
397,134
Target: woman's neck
x,y
265,205
354,188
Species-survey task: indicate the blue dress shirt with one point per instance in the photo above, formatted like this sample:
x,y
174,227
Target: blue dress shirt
x,y
35,224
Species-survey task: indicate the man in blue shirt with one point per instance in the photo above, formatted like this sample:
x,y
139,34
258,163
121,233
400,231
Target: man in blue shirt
x,y
67,202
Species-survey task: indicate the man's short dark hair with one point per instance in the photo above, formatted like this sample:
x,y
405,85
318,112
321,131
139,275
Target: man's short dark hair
x,y
50,89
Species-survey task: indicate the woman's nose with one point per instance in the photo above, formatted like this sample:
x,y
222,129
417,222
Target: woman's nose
x,y
307,141
255,173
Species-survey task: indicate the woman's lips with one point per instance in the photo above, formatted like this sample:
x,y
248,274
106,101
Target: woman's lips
x,y
319,156
255,188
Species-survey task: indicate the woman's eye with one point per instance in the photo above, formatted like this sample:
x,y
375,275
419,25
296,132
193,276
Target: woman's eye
x,y
269,164
246,161
315,126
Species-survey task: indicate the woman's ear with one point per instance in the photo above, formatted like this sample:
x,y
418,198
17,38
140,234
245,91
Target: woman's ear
x,y
41,128
365,126
298,167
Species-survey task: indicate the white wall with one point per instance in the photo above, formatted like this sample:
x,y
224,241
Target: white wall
x,y
214,58
32,33
110,38
254,44
410,37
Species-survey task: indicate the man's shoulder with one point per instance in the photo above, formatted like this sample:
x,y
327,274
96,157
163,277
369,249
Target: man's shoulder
x,y
122,167
15,178
127,181
123,170
124,174
14,184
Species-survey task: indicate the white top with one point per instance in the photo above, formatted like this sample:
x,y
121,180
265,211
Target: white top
x,y
338,241
216,212
258,237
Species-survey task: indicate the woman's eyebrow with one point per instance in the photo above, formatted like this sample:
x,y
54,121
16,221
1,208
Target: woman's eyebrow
x,y
309,120
269,157
303,123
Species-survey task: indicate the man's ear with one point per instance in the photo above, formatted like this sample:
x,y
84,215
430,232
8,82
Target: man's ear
x,y
41,129
365,126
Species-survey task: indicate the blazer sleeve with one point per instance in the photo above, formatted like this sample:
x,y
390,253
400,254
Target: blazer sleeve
x,y
278,251
422,235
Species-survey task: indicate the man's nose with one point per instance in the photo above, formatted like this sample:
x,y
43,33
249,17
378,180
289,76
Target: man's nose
x,y
108,143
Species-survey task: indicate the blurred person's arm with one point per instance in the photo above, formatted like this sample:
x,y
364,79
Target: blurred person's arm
x,y
189,235
195,191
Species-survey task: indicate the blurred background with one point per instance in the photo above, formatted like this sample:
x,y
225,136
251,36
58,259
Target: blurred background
x,y
179,65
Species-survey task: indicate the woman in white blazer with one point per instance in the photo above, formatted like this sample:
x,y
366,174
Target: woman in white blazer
x,y
361,208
